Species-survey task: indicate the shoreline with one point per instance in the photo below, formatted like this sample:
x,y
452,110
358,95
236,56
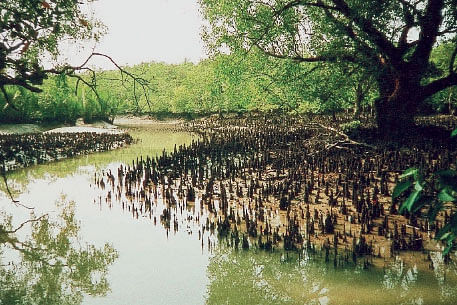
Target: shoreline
x,y
23,147
99,127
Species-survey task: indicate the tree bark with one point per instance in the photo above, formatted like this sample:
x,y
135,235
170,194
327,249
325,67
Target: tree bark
x,y
393,118
400,96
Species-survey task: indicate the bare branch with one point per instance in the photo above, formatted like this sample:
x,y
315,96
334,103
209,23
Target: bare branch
x,y
70,71
26,222
345,136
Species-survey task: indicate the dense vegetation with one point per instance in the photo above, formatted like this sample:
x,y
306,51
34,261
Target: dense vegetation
x,y
238,82
389,41
391,59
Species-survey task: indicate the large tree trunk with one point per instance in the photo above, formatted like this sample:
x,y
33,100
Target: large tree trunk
x,y
400,96
392,117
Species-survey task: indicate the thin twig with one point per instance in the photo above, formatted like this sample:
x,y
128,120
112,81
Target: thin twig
x,y
26,222
5,179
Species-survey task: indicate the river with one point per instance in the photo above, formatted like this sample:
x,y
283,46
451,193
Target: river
x,y
159,267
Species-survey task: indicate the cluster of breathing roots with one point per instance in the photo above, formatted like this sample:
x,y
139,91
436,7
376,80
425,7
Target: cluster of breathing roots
x,y
23,150
281,183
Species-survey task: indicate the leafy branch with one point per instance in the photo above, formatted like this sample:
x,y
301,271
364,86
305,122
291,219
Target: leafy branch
x,y
434,191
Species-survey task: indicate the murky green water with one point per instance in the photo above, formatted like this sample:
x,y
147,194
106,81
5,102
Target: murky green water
x,y
158,268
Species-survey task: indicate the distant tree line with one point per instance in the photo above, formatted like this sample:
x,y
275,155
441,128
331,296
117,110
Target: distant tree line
x,y
239,82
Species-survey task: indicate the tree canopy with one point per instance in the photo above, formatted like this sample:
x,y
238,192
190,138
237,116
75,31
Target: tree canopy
x,y
33,29
391,40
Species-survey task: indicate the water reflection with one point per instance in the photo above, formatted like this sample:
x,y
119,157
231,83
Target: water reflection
x,y
151,268
250,277
43,260
166,263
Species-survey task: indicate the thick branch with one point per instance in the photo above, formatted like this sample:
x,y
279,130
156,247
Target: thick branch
x,y
430,25
409,23
366,25
361,45
439,84
18,82
304,3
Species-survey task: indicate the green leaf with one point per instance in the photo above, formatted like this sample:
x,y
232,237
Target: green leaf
x,y
408,204
454,133
400,188
418,187
445,235
448,248
444,196
434,210
409,172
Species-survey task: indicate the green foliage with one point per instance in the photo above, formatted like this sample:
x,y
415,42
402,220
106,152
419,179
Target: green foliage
x,y
370,39
54,268
25,101
433,192
32,29
444,101
351,127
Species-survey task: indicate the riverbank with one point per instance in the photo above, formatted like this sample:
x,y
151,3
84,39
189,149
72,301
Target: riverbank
x,y
80,126
23,145
291,183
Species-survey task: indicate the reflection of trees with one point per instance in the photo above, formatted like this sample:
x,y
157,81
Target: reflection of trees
x,y
51,265
250,277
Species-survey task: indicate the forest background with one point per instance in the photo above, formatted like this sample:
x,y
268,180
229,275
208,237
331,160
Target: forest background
x,y
236,83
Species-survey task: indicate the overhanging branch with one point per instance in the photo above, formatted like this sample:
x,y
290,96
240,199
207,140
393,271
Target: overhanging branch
x,y
367,26
430,25
439,84
322,58
304,3
71,72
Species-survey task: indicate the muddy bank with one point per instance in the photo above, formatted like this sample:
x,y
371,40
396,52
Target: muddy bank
x,y
132,121
28,149
80,126
23,145
21,128
287,183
